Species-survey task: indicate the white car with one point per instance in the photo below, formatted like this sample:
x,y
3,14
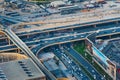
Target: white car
x,y
90,6
82,36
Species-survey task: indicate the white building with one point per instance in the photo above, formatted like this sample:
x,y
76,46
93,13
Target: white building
x,y
57,3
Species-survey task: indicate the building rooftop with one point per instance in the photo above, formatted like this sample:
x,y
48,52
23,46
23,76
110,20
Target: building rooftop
x,y
21,70
6,57
112,51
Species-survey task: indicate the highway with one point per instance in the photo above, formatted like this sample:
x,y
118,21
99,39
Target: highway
x,y
58,24
36,35
70,64
27,51
53,27
64,38
51,41
79,29
87,65
73,37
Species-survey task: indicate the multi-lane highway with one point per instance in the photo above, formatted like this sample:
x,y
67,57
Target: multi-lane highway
x,y
41,34
81,29
40,42
87,65
70,64
36,35
73,36
58,38
75,25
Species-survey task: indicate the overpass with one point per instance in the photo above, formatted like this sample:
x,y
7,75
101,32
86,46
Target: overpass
x,y
74,37
31,35
43,29
26,50
72,26
14,38
67,38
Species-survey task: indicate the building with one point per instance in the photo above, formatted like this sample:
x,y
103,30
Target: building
x,y
6,57
57,3
101,59
22,69
62,79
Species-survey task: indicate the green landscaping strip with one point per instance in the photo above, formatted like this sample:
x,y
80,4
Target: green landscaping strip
x,y
80,48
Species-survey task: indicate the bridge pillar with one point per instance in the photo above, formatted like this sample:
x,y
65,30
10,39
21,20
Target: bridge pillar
x,y
4,35
72,29
48,33
18,50
59,45
110,36
8,41
117,22
95,26
28,36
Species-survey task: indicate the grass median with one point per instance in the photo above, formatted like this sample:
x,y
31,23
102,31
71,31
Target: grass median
x,y
81,49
